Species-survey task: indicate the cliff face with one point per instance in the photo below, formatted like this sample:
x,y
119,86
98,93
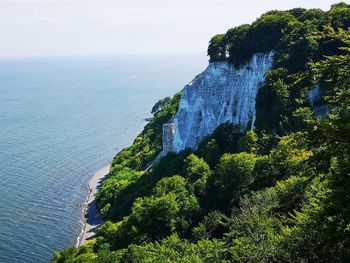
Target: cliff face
x,y
168,136
220,94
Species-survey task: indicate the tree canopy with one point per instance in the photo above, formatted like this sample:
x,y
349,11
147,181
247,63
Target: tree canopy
x,y
280,193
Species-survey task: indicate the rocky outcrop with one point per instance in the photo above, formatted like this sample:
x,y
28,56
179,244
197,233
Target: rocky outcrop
x,y
317,103
314,96
220,94
168,136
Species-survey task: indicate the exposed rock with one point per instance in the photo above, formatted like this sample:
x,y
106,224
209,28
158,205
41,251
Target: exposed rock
x,y
168,136
316,102
314,96
220,94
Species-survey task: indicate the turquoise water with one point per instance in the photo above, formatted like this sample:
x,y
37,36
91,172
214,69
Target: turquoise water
x,y
61,120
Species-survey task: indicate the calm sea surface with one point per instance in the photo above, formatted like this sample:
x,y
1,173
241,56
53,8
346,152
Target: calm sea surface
x,y
61,120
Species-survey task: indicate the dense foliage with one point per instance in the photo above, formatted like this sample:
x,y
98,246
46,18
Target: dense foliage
x,y
130,163
276,194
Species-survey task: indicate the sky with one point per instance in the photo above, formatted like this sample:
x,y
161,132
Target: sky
x,y
113,27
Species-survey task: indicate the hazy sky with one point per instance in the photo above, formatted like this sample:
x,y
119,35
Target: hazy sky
x,y
98,27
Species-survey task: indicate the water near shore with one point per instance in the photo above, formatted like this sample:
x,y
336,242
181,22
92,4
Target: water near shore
x,y
91,216
61,120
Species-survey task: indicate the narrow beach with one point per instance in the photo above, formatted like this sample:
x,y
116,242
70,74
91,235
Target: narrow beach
x,y
92,218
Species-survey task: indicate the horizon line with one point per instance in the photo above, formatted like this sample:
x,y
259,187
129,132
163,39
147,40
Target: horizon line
x,y
101,55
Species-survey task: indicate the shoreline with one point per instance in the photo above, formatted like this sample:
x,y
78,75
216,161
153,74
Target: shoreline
x,y
91,217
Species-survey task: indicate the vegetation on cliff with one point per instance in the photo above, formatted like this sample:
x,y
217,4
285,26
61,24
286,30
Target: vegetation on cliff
x,y
276,194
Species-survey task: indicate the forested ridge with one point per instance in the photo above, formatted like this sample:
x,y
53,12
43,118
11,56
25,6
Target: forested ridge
x,y
279,193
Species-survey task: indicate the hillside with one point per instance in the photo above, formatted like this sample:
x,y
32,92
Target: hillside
x,y
256,166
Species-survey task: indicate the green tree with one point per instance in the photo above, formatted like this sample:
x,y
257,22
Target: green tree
x,y
217,48
197,171
248,142
232,178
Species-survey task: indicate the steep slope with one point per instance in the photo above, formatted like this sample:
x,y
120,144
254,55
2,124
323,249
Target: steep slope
x,y
224,193
220,94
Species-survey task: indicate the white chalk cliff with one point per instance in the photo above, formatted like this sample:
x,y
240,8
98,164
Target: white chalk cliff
x,y
220,94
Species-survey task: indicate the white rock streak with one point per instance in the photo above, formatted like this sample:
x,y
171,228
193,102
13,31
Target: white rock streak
x,y
220,94
314,95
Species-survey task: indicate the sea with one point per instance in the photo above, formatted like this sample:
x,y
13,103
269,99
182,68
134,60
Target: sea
x,y
61,120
